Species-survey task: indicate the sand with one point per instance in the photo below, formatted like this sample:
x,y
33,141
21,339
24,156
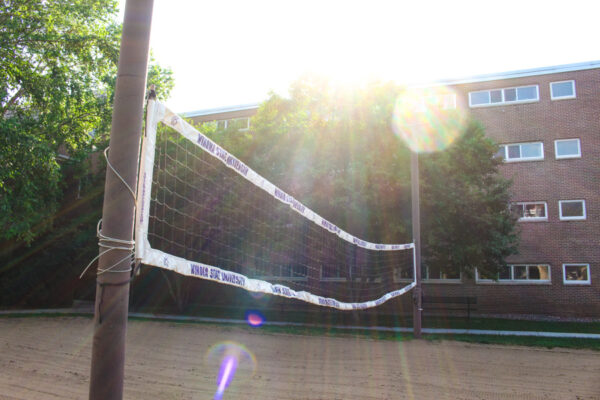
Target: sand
x,y
49,358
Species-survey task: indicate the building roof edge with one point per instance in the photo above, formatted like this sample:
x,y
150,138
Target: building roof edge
x,y
219,110
516,74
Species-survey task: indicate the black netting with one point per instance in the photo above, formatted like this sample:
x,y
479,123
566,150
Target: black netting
x,y
203,211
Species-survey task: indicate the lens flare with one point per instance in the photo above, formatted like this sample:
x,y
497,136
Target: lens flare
x,y
428,119
226,373
255,318
256,295
232,359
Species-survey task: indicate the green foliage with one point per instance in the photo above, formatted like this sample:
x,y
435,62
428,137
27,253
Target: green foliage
x,y
58,68
58,63
335,150
466,221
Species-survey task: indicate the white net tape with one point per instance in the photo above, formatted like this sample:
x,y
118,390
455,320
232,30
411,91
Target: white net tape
x,y
158,113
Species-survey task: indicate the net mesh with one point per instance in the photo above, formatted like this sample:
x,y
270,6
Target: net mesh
x,y
202,210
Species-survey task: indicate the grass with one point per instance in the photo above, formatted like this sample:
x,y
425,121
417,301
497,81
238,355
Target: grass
x,y
326,317
329,320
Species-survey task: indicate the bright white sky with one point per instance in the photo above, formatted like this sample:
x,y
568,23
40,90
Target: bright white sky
x,y
228,52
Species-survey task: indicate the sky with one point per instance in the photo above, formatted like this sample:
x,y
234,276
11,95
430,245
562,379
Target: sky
x,y
227,52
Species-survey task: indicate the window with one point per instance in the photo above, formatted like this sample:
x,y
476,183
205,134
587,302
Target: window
x,y
571,209
403,274
433,102
440,274
332,273
523,94
240,124
567,148
360,273
562,90
529,273
283,272
447,101
576,274
522,152
530,211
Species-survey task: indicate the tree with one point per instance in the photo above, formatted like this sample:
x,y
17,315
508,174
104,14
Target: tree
x,y
58,67
334,149
466,221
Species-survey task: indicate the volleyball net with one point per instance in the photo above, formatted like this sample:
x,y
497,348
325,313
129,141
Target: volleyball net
x,y
204,213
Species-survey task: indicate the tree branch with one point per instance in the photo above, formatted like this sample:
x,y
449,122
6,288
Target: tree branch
x,y
12,101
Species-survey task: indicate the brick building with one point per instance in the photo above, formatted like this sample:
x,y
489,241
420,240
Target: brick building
x,y
547,121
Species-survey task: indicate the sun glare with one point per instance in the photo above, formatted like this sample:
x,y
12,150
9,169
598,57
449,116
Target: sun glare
x,y
428,119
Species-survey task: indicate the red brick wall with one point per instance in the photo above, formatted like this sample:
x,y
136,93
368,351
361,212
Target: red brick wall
x,y
552,242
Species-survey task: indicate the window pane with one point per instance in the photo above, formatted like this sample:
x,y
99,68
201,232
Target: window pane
x,y
480,97
403,273
299,271
449,273
544,272
510,94
434,272
484,275
531,150
449,101
519,210
500,153
514,151
535,211
520,271
331,271
238,123
562,89
571,208
504,273
567,148
576,272
527,93
496,96
538,272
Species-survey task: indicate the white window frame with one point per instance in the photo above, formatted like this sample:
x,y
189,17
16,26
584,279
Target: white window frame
x,y
569,282
577,218
504,149
513,281
578,155
532,219
505,102
574,95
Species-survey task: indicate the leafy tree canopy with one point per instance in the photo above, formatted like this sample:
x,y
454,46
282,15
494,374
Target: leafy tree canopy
x,y
58,67
334,149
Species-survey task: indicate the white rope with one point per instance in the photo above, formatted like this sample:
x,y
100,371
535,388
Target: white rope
x,y
109,243
105,242
119,176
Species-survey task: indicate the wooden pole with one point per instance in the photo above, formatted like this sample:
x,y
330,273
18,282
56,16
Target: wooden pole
x,y
112,288
416,230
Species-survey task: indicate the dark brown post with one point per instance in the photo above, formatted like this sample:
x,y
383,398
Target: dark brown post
x,y
416,230
112,288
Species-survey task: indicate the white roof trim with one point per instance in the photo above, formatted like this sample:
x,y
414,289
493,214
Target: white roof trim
x,y
219,110
516,74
